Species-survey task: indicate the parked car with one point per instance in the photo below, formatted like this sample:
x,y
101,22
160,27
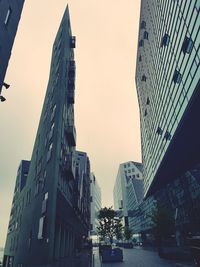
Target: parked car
x,y
128,245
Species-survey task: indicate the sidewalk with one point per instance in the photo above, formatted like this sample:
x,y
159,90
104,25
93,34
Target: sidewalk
x,y
97,262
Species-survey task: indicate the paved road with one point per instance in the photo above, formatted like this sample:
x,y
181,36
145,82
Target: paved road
x,y
139,257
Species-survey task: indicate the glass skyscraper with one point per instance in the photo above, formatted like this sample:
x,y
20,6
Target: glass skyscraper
x,y
167,81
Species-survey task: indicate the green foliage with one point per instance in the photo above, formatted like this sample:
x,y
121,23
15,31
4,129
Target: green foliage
x,y
127,233
118,229
163,222
109,225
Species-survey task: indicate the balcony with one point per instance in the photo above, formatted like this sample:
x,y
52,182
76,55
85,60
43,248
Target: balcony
x,y
70,133
70,166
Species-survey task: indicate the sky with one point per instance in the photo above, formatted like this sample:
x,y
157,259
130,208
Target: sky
x,y
106,105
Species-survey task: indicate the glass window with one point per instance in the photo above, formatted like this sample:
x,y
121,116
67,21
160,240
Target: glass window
x,y
187,45
141,43
7,18
177,77
144,78
165,40
146,35
143,25
41,228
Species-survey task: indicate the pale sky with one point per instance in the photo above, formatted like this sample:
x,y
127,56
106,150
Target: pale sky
x,y
106,106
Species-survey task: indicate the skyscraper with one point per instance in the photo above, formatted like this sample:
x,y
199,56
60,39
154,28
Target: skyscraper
x,y
10,13
95,203
167,80
50,227
125,186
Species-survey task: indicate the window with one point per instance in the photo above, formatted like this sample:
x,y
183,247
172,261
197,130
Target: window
x,y
141,43
167,135
133,170
165,40
46,196
159,131
148,101
41,228
145,112
53,112
49,152
144,78
143,25
140,58
146,35
7,18
36,188
28,197
51,131
73,42
187,45
177,77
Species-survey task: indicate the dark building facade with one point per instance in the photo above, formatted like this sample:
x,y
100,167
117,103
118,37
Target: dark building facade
x,y
168,88
10,13
167,80
51,225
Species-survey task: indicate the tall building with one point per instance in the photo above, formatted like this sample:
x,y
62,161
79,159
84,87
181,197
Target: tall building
x,y
168,88
128,181
50,225
10,13
95,203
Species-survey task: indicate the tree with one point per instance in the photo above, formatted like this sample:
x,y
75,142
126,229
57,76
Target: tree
x,y
163,224
109,225
118,228
127,233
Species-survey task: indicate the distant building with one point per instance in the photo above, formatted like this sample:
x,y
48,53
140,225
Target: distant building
x,y
95,203
10,13
53,213
82,197
135,195
128,181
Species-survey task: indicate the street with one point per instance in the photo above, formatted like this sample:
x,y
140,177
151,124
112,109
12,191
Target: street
x,y
138,257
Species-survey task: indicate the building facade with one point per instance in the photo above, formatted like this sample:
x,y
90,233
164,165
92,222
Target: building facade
x,y
167,81
82,196
168,88
51,225
95,203
129,174
10,13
